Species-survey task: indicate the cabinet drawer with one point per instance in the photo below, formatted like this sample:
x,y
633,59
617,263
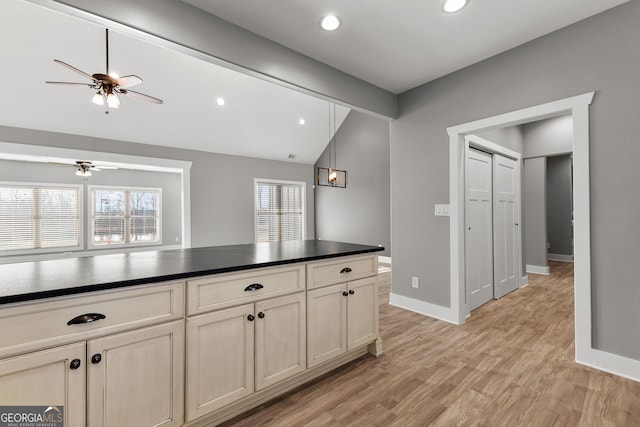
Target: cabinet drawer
x,y
226,290
30,326
326,273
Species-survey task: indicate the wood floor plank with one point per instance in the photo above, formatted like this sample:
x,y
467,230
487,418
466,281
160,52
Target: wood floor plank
x,y
511,364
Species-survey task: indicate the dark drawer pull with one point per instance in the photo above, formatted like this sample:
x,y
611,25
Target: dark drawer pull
x,y
86,318
345,270
253,287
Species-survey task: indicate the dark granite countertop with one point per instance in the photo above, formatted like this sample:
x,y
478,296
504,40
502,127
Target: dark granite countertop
x,y
43,279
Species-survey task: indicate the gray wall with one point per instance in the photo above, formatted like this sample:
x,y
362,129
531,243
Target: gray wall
x,y
549,137
598,54
359,213
559,205
170,184
535,211
509,137
222,191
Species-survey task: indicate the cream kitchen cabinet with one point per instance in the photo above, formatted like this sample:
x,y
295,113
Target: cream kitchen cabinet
x,y
234,352
130,376
53,377
341,318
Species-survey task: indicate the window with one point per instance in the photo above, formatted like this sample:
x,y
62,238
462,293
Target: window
x,y
279,210
38,218
123,216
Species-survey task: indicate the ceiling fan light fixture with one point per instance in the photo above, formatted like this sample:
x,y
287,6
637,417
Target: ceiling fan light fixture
x,y
451,6
83,172
113,101
98,98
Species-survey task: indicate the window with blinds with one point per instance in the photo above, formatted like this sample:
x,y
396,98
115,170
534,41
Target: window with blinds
x,y
122,216
36,218
279,210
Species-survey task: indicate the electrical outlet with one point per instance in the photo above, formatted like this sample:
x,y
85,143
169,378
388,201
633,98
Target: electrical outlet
x,y
415,282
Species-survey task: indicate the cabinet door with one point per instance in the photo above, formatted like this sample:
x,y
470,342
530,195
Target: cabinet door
x,y
47,379
219,359
135,379
326,323
280,339
362,312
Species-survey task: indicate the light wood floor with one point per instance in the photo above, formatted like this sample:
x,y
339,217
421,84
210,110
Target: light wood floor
x,y
511,364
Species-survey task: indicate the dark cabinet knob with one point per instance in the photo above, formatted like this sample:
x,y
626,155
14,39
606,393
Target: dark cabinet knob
x,y
345,270
96,358
250,318
351,292
75,364
261,315
345,293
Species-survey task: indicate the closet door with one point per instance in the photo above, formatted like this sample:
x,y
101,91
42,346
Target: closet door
x,y
505,225
479,228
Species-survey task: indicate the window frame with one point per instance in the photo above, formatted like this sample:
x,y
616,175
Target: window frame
x,y
301,184
127,217
81,218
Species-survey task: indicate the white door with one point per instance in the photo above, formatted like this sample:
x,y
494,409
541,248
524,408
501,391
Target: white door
x,y
505,225
478,230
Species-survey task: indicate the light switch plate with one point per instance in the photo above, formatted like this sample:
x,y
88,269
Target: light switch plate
x,y
442,210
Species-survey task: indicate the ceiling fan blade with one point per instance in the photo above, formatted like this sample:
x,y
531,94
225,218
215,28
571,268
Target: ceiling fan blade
x,y
128,81
105,167
72,84
61,164
142,96
74,69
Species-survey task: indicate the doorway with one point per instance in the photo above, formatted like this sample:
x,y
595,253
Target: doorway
x,y
578,107
493,257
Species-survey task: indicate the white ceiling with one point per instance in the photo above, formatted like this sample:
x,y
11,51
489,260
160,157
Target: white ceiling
x,y
393,44
400,44
259,119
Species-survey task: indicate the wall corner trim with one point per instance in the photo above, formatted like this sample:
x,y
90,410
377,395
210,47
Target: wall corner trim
x,y
439,312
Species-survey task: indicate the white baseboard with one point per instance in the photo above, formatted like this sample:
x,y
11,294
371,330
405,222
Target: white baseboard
x,y
560,257
609,362
524,281
424,308
538,269
384,259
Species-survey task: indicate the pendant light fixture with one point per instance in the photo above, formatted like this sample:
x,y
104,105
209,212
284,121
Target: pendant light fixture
x,y
332,176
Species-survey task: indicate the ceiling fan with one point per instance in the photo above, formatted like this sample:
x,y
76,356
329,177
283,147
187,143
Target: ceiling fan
x,y
108,86
84,167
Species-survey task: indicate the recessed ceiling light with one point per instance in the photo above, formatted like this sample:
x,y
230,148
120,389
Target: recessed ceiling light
x,y
220,101
451,6
302,121
330,23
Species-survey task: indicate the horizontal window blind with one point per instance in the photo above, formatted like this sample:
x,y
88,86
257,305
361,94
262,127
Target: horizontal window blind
x,y
39,217
124,216
279,211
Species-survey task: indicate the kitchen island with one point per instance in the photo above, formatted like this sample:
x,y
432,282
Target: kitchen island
x,y
183,337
